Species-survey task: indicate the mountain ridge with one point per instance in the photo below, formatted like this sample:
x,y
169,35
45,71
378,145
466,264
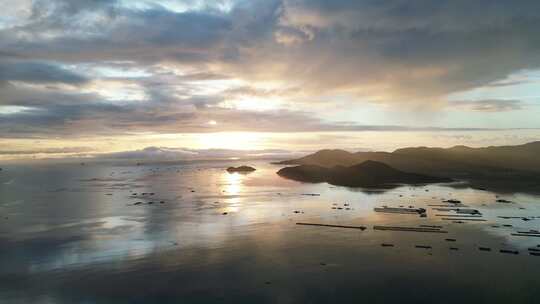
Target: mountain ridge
x,y
501,168
454,160
366,174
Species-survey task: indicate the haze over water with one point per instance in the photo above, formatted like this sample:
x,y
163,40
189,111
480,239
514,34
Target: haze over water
x,y
72,233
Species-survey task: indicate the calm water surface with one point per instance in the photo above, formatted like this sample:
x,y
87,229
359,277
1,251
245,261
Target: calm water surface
x,y
75,234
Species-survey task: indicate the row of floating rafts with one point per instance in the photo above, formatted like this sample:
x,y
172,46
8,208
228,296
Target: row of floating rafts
x,y
410,210
450,203
462,214
430,229
530,233
459,212
523,218
454,212
421,228
459,215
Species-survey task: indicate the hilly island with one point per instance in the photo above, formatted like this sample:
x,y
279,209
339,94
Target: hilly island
x,y
492,167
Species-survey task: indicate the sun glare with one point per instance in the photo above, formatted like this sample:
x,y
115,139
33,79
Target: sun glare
x,y
232,187
233,183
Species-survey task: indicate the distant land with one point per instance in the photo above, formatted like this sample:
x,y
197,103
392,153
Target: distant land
x,y
367,174
241,169
504,167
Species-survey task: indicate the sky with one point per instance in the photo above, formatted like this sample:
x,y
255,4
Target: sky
x,y
130,78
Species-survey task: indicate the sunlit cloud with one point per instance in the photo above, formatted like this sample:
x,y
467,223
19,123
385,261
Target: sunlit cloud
x,y
10,110
115,69
489,105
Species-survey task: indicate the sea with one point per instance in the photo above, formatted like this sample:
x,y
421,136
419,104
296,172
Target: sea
x,y
191,232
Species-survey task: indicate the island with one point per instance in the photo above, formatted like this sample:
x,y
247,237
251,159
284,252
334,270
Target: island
x,y
496,168
243,169
366,174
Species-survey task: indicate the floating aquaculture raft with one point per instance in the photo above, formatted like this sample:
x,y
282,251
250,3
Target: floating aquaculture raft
x,y
401,210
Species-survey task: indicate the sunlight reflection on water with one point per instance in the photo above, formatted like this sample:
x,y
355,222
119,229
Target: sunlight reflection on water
x,y
169,223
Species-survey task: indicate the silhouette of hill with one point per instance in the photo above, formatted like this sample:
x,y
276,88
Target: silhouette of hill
x,y
242,169
507,166
522,157
366,174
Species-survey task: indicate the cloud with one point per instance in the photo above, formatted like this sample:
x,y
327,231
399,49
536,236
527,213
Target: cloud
x,y
50,114
393,51
295,54
406,51
489,105
38,72
62,150
166,153
153,35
